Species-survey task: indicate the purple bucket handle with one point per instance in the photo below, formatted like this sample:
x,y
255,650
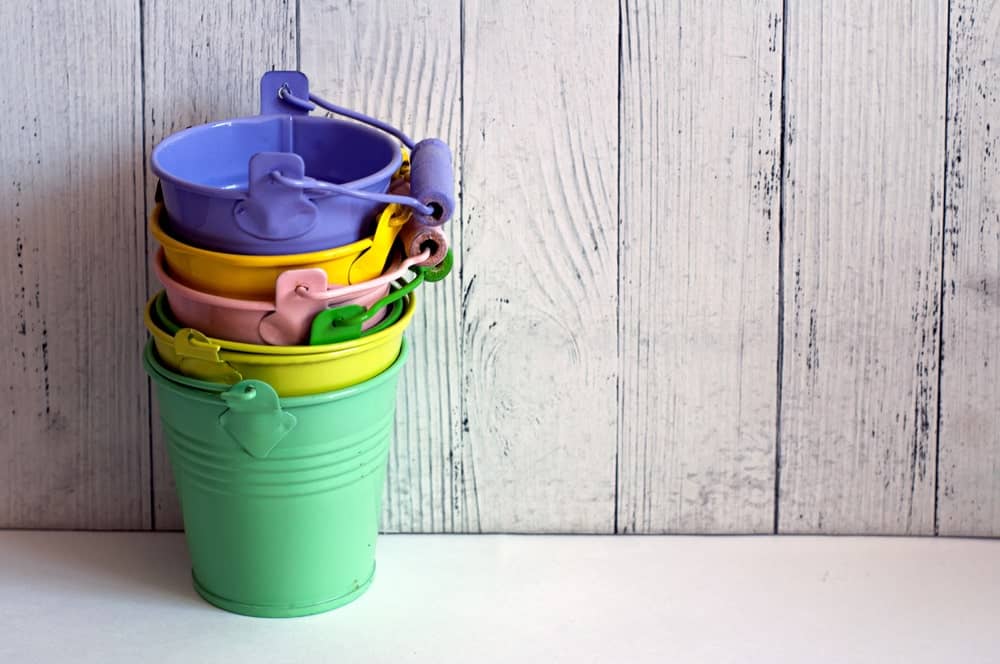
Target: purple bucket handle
x,y
273,87
432,182
275,210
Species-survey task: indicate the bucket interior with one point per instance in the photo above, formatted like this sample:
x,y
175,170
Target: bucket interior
x,y
218,155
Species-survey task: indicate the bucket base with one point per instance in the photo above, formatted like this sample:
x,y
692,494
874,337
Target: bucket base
x,y
261,611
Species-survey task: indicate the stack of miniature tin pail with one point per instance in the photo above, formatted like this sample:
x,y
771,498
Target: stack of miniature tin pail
x,y
291,247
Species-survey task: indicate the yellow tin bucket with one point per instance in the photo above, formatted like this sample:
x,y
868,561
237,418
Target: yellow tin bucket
x,y
291,370
253,277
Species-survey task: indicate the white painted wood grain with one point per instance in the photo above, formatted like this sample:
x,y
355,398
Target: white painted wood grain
x,y
576,317
700,182
400,61
539,258
864,150
969,463
203,62
74,446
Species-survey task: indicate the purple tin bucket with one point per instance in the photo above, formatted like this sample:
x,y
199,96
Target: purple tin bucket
x,y
285,182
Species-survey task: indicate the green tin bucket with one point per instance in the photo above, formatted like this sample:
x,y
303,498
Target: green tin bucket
x,y
281,497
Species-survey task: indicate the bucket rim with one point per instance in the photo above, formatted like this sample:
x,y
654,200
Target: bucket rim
x,y
172,283
220,192
172,245
209,392
260,354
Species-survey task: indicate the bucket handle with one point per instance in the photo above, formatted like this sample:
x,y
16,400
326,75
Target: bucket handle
x,y
390,222
197,352
297,293
285,94
302,290
314,187
432,185
345,322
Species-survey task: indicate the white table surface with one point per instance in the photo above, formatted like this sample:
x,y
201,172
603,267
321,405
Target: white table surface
x,y
127,597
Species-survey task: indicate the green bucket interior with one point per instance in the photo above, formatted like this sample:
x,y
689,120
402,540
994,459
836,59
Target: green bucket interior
x,y
280,497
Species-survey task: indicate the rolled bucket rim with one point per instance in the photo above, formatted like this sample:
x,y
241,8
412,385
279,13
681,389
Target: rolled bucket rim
x,y
221,192
208,391
244,304
260,354
171,244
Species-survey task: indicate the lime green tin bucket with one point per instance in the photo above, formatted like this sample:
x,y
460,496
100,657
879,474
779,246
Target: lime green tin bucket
x,y
280,496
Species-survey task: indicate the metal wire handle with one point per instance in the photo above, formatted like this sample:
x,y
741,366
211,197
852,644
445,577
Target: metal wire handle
x,y
313,185
328,187
386,278
315,100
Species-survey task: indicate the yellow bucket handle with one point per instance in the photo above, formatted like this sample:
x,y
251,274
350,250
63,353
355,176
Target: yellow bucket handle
x,y
193,347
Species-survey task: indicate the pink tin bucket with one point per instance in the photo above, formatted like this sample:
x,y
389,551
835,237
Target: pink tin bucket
x,y
285,321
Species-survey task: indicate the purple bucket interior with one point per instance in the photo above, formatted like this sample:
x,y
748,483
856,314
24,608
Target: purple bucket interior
x,y
217,155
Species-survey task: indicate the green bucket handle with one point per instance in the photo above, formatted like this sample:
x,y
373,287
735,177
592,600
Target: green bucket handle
x,y
344,323
439,271
255,419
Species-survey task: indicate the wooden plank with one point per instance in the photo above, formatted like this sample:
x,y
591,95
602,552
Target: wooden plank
x,y
203,62
969,467
74,449
700,182
539,257
864,156
409,75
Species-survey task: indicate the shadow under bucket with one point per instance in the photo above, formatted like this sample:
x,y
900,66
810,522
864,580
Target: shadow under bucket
x,y
281,497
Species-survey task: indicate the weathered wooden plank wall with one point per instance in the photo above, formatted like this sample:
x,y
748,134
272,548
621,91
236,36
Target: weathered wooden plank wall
x,y
698,292
74,446
539,342
723,267
861,267
969,462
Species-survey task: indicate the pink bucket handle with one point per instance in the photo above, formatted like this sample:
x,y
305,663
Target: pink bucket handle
x,y
305,291
297,292
292,314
